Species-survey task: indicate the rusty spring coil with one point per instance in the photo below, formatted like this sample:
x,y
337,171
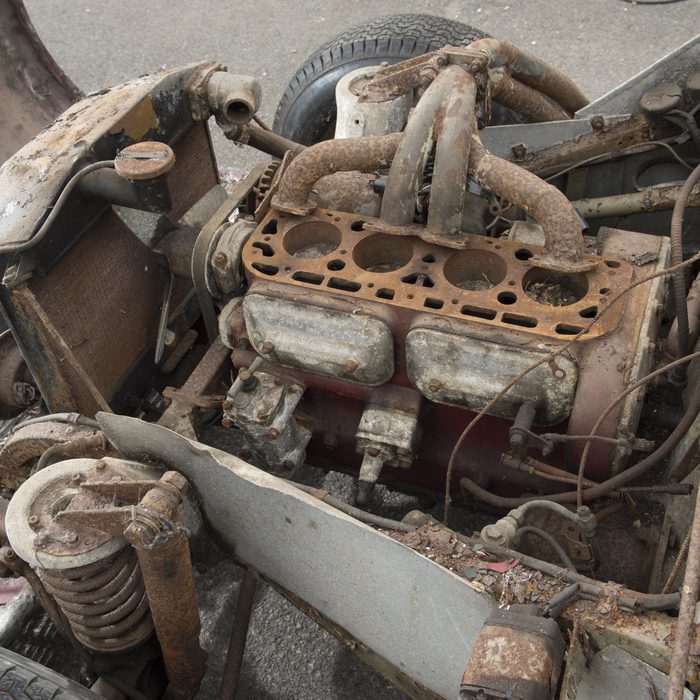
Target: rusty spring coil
x,y
104,602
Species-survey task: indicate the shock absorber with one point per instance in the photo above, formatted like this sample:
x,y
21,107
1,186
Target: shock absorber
x,y
94,576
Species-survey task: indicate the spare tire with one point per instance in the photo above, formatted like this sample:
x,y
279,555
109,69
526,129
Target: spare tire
x,y
306,111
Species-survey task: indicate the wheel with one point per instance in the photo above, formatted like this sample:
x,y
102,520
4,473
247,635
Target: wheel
x,y
22,679
306,111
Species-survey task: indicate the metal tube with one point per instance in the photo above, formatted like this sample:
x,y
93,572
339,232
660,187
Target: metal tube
x,y
449,184
164,558
531,104
657,198
693,302
544,202
532,71
167,573
239,633
361,153
398,204
685,626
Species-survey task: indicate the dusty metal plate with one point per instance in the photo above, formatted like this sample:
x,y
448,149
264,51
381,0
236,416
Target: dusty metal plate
x,y
491,282
417,616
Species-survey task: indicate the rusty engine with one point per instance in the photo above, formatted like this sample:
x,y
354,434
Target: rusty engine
x,y
422,301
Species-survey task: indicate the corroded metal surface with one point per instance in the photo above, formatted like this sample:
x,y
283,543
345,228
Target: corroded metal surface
x,y
361,153
33,89
533,105
487,284
545,203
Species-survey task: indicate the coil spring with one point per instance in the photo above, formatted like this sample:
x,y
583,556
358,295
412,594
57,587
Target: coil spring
x,y
104,602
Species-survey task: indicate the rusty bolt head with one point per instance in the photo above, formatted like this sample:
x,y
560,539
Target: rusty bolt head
x,y
177,480
33,519
350,366
228,404
434,385
519,151
288,465
101,466
71,537
559,373
597,123
273,434
226,422
76,478
267,347
220,259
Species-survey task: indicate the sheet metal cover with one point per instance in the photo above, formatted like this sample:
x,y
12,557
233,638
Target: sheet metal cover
x,y
468,372
316,339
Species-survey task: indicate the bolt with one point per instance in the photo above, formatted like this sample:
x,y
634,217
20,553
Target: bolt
x,y
267,347
76,477
71,537
559,373
10,553
100,466
493,534
226,422
220,259
350,366
519,151
33,519
273,434
228,404
441,60
434,385
288,465
597,123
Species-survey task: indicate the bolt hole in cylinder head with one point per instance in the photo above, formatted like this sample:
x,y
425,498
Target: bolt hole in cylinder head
x,y
94,577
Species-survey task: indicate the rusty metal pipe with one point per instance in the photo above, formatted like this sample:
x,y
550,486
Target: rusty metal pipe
x,y
449,184
239,633
524,100
164,558
545,203
532,71
398,204
693,303
685,626
361,153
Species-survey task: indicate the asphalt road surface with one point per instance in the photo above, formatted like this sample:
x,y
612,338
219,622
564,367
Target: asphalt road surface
x,y
599,43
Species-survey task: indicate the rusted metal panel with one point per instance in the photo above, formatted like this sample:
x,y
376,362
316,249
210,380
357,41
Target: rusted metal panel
x,y
33,89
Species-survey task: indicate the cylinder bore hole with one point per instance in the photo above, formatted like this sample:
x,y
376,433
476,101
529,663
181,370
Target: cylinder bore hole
x,y
507,298
382,253
475,270
554,288
312,239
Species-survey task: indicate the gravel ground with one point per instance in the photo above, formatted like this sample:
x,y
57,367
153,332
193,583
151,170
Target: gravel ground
x,y
598,42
